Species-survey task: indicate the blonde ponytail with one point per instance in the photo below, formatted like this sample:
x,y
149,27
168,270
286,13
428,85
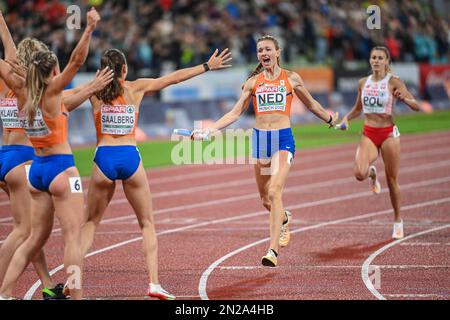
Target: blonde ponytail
x,y
42,63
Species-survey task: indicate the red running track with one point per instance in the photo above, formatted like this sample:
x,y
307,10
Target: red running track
x,y
213,231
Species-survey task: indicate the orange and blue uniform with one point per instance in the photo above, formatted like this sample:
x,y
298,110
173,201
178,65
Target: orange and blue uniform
x,y
46,132
117,119
377,99
272,97
12,155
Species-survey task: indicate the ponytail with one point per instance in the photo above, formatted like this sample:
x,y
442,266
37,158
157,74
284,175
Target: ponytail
x,y
259,68
41,66
114,60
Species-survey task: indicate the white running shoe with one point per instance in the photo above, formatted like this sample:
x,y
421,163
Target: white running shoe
x,y
374,183
270,259
7,298
285,235
156,291
397,232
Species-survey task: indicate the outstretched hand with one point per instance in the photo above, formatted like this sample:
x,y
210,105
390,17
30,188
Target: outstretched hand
x,y
217,62
92,18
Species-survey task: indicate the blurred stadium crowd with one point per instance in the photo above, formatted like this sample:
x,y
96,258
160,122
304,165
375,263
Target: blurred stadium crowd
x,y
180,33
326,41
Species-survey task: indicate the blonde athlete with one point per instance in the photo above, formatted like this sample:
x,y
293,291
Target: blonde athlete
x,y
271,88
55,184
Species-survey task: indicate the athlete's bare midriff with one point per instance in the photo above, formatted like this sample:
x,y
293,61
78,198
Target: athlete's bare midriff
x,y
378,120
15,138
63,148
272,122
110,140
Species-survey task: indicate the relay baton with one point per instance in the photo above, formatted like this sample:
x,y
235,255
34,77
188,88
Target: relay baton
x,y
183,132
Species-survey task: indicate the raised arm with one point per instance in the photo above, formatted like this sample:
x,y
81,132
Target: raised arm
x,y
401,92
78,56
73,98
7,40
305,97
215,62
13,80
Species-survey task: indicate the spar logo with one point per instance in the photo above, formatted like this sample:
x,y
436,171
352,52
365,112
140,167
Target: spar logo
x,y
117,109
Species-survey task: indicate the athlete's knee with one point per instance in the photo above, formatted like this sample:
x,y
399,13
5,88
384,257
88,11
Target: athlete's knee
x,y
392,181
145,222
274,192
35,241
20,234
361,173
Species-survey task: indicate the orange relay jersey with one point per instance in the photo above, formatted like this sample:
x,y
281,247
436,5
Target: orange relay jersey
x,y
116,119
46,132
272,97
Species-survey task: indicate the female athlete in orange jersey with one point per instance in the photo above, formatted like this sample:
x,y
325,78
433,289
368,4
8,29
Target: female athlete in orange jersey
x,y
17,152
271,89
376,98
54,180
116,110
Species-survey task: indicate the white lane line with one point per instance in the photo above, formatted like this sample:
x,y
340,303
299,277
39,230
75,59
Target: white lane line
x,y
417,295
420,244
294,173
206,172
295,189
215,264
366,264
335,267
36,285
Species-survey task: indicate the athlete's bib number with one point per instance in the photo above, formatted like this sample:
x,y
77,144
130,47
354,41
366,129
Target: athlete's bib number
x,y
8,113
118,119
39,127
75,185
271,98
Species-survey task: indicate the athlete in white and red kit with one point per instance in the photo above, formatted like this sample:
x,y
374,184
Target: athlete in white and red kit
x,y
376,98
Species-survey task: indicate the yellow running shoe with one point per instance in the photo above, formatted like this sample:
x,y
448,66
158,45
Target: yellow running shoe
x,y
374,183
285,235
270,259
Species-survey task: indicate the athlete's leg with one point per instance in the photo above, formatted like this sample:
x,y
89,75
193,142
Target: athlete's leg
x,y
41,227
20,207
137,191
280,165
390,150
262,181
366,154
100,193
70,213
